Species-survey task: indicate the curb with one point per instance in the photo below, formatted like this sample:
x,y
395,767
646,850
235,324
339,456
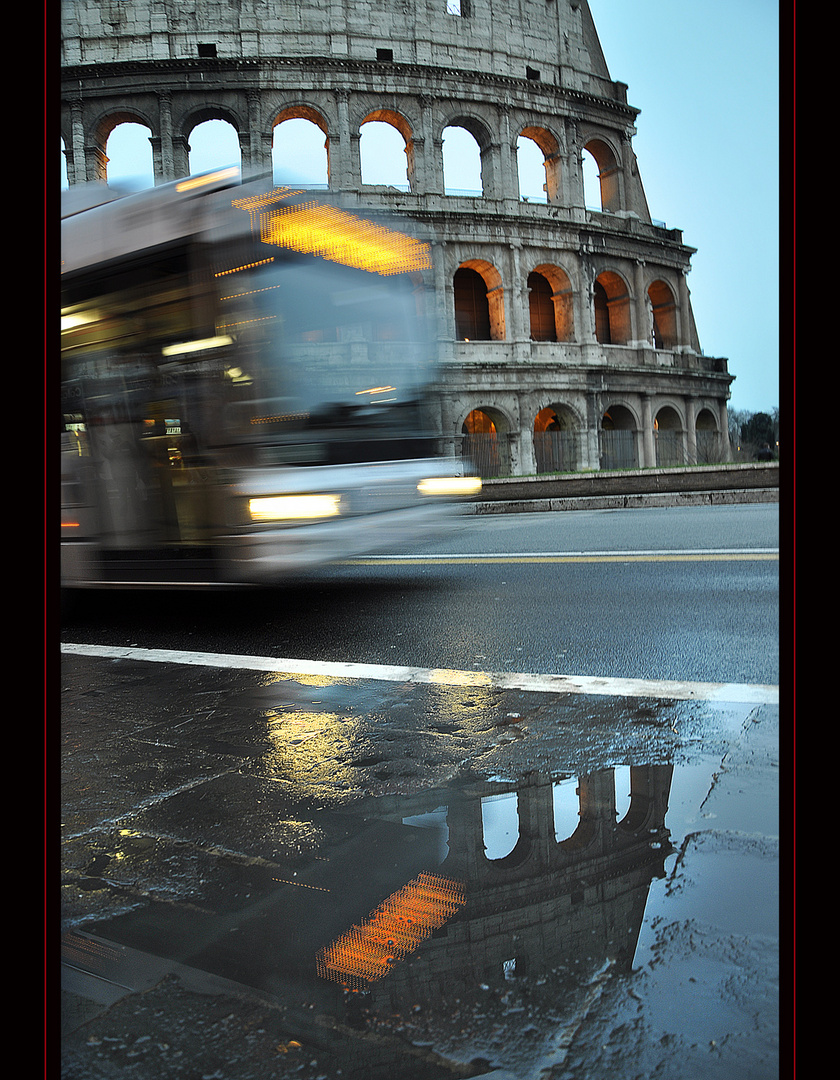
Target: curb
x,y
623,502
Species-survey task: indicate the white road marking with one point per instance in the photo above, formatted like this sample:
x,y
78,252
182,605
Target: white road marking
x,y
682,555
548,684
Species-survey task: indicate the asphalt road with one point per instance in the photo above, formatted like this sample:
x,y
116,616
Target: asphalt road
x,y
681,593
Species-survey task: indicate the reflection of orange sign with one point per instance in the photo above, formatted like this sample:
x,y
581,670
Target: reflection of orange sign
x,y
320,229
368,951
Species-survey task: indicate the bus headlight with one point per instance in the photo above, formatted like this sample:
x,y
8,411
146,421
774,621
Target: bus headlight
x,y
294,507
450,485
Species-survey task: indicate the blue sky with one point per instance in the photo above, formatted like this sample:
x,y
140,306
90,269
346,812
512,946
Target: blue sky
x,y
706,79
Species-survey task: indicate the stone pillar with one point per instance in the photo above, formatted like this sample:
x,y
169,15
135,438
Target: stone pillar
x,y
726,448
648,458
466,859
591,445
96,163
641,328
345,158
157,154
517,305
180,156
246,152
428,164
691,429
163,155
490,171
266,152
259,156
597,807
507,182
535,803
444,302
75,152
571,191
684,314
527,464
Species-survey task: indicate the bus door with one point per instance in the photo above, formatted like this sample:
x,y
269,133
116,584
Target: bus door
x,y
178,475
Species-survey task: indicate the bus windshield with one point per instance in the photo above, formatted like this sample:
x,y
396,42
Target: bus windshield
x,y
327,352
292,361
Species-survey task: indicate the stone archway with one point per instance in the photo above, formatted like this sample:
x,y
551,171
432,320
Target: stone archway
x,y
618,439
556,440
386,149
479,302
613,319
669,438
549,151
663,315
609,173
707,438
300,146
486,441
550,304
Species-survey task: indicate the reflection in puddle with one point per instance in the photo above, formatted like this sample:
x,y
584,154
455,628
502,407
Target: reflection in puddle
x,y
555,885
367,952
500,824
308,863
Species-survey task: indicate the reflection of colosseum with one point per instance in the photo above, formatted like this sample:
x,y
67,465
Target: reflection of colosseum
x,y
576,901
567,332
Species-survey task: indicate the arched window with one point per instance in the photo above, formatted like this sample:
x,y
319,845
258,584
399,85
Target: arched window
x,y
500,824
383,152
566,804
612,309
602,188
537,162
541,308
551,304
129,153
530,165
663,314
622,778
299,152
472,310
461,162
214,144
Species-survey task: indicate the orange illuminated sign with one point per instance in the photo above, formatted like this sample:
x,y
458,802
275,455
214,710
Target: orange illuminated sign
x,y
367,952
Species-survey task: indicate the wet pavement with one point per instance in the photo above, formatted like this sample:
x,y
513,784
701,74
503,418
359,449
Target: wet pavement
x,y
268,875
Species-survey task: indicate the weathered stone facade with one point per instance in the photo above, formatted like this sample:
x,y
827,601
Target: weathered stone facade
x,y
567,336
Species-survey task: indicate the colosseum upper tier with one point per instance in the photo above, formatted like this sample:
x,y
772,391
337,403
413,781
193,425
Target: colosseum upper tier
x,y
566,332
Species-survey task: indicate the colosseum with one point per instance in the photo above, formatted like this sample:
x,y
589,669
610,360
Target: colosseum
x,y
566,331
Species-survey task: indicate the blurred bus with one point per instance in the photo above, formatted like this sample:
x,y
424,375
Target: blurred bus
x,y
247,384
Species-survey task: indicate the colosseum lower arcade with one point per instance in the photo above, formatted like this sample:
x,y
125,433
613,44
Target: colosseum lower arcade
x,y
566,332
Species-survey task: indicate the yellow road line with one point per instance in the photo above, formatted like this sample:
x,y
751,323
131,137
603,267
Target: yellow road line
x,y
419,560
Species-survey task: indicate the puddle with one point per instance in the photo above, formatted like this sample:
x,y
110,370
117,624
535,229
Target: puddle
x,y
479,901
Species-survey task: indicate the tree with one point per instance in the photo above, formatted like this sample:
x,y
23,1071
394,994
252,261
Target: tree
x,y
758,430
